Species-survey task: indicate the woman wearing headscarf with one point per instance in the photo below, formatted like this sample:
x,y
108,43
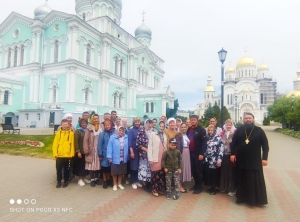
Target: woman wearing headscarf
x,y
79,159
213,159
213,122
186,161
172,132
102,150
227,183
156,146
134,154
90,146
178,123
142,139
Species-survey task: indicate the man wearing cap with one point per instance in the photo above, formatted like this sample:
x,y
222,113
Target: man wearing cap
x,y
197,137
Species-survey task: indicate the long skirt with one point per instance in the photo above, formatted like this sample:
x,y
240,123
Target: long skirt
x,y
158,181
211,176
251,187
227,182
144,172
186,174
79,166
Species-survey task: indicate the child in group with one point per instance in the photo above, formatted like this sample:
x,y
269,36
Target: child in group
x,y
63,151
172,165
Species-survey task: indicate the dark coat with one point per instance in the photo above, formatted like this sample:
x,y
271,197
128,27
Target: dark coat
x,y
199,138
249,156
78,141
132,134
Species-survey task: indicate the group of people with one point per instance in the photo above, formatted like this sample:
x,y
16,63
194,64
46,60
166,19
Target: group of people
x,y
161,155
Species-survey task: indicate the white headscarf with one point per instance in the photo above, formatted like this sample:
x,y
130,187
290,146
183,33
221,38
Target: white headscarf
x,y
232,128
67,115
171,119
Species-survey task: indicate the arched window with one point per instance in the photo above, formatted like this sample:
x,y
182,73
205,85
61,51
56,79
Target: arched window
x,y
54,93
116,66
147,107
86,95
6,97
16,57
22,55
152,107
120,100
9,58
56,46
88,54
121,67
83,17
115,99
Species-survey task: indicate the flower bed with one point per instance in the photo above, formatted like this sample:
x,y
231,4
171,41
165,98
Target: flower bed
x,y
22,142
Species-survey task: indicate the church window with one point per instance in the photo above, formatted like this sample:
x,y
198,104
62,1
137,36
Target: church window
x,y
147,107
22,55
38,116
152,107
242,73
121,67
54,93
16,57
143,77
146,77
88,54
86,95
6,97
120,100
116,66
207,96
245,73
56,46
261,98
9,58
115,99
83,16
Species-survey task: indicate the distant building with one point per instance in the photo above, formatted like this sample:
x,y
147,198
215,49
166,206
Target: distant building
x,y
57,62
296,91
247,88
183,113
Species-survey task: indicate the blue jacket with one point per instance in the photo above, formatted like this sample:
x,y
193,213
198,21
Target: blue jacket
x,y
113,149
102,146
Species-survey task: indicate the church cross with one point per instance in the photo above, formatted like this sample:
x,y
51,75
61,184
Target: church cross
x,y
143,15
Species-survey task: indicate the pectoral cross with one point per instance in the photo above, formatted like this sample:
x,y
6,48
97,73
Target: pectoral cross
x,y
247,141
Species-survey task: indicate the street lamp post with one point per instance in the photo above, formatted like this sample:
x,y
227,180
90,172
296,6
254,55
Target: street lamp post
x,y
222,56
293,97
236,109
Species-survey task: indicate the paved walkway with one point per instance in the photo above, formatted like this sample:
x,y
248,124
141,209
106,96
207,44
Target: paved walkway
x,y
33,180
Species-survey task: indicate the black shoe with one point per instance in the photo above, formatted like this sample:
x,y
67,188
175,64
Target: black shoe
x,y
58,185
192,188
110,183
209,190
66,183
104,185
93,184
98,182
146,189
197,191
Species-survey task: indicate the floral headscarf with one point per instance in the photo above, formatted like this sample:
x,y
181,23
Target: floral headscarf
x,y
92,121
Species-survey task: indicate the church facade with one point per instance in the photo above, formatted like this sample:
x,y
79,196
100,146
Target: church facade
x,y
247,88
57,62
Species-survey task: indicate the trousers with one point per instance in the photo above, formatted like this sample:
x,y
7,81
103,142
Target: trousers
x,y
176,178
197,170
62,164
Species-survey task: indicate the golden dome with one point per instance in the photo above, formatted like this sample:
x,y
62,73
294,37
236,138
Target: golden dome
x,y
263,67
295,92
246,89
298,70
230,69
245,61
297,79
209,89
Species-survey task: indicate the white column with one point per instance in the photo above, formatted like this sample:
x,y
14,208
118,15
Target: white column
x,y
1,57
5,58
74,44
41,88
102,89
99,60
67,86
107,97
45,54
31,88
36,86
38,35
52,53
99,91
84,54
19,56
12,60
69,44
103,61
92,57
25,55
108,57
32,50
59,51
134,98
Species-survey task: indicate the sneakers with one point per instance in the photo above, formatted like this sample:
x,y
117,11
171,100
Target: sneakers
x,y
168,196
93,184
155,193
115,188
86,180
81,183
231,194
121,187
138,184
66,183
134,186
58,185
176,197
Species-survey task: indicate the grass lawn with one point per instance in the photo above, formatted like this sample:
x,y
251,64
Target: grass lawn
x,y
40,152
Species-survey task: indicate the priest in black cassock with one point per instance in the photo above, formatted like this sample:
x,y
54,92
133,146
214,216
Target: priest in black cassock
x,y
249,151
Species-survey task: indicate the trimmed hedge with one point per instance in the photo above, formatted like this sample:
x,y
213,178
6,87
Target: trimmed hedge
x,y
289,132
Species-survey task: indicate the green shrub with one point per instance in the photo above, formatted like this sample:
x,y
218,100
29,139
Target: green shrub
x,y
289,132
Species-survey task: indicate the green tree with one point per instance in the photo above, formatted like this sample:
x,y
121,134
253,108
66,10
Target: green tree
x,y
217,114
182,118
226,114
